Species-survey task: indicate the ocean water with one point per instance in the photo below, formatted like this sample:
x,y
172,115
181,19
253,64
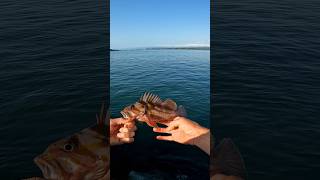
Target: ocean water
x,y
182,75
266,84
52,76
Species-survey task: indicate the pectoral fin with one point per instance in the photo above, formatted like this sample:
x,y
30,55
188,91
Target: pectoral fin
x,y
151,123
100,170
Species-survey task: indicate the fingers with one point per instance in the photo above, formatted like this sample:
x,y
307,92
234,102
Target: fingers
x,y
166,130
126,135
120,121
164,123
126,130
176,121
160,130
127,140
129,125
165,138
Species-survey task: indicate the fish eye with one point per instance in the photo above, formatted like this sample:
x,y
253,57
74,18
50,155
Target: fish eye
x,y
132,106
68,147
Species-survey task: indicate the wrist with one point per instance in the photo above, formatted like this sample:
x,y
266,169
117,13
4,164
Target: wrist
x,y
203,141
114,141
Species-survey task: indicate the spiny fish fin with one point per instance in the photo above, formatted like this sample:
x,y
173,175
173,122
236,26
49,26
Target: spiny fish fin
x,y
181,111
100,171
150,98
170,104
103,117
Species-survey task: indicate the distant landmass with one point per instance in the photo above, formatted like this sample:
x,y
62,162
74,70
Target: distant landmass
x,y
182,48
164,48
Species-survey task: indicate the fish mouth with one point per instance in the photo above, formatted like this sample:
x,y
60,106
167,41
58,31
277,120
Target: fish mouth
x,y
124,115
46,167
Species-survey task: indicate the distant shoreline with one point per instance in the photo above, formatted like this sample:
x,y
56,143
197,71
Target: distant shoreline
x,y
166,48
179,48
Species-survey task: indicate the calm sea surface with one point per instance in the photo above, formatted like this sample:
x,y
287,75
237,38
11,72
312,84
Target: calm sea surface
x,y
182,75
266,86
52,76
266,57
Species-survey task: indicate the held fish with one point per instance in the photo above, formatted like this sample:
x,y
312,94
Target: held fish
x,y
152,110
83,155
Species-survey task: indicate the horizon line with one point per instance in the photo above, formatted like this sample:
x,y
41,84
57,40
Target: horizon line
x,y
166,46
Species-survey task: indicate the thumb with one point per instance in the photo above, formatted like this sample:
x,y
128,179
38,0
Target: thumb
x,y
166,138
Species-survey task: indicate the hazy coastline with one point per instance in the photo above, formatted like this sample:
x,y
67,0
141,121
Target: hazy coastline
x,y
166,48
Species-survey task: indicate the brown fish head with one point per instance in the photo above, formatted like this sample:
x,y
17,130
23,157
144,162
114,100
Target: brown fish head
x,y
83,155
80,155
133,111
57,161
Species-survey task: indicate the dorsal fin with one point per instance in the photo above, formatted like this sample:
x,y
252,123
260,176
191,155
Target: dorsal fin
x,y
102,125
170,104
150,98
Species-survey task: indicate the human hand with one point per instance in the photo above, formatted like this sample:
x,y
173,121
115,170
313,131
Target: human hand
x,y
121,131
185,131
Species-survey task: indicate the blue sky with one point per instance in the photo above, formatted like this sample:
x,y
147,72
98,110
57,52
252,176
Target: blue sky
x,y
149,23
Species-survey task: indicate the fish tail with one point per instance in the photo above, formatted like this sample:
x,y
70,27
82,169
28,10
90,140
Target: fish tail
x,y
228,160
181,111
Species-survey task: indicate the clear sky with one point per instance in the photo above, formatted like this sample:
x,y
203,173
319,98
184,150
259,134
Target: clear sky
x,y
149,23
